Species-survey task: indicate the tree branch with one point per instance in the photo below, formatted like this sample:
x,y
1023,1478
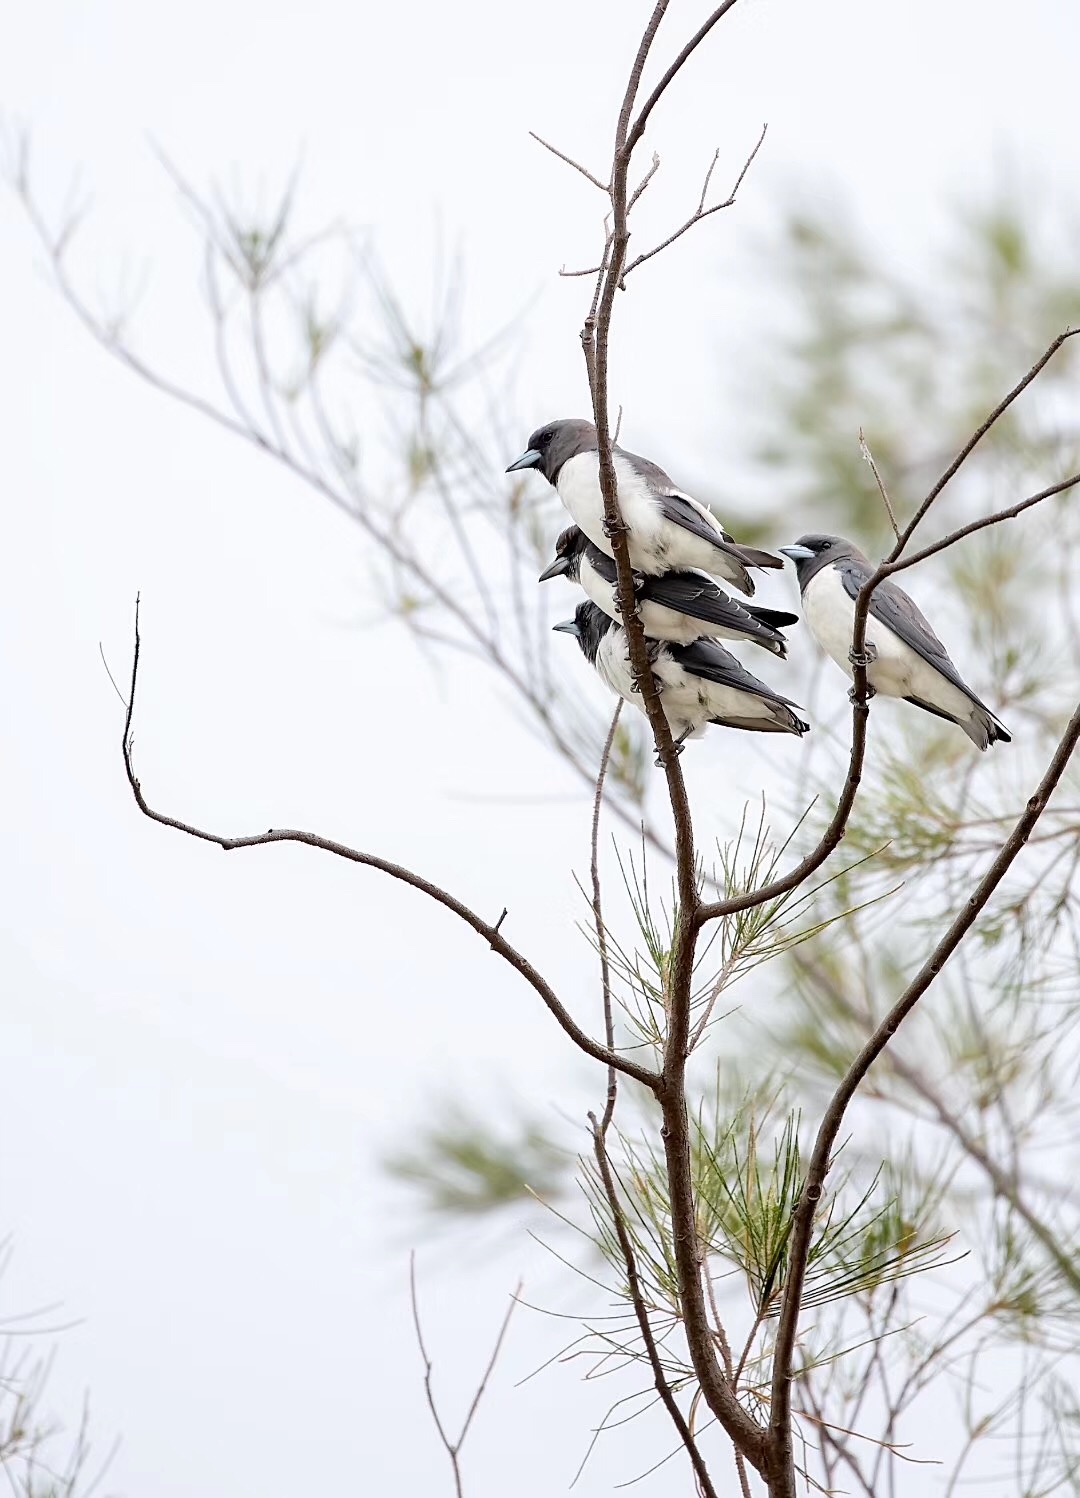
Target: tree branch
x,y
781,1468
569,161
700,211
741,1427
491,933
661,88
637,1299
598,919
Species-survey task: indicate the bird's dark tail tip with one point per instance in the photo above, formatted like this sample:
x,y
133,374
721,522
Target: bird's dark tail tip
x,y
752,557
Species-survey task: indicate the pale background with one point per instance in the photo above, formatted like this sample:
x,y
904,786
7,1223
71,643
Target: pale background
x,y
202,1056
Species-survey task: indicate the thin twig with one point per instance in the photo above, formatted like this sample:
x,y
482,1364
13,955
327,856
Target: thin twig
x,y
453,1448
643,184
491,933
700,212
569,161
1010,513
864,448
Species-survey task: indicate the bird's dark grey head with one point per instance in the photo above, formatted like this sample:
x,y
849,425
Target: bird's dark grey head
x,y
553,445
568,548
811,553
588,626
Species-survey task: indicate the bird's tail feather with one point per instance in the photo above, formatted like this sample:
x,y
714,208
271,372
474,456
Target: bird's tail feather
x,y
982,728
785,721
755,558
774,618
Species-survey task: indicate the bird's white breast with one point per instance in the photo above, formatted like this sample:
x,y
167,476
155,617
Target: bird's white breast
x,y
578,485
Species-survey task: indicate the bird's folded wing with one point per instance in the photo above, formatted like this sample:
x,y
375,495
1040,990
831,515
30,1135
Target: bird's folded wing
x,y
895,610
710,661
698,597
681,510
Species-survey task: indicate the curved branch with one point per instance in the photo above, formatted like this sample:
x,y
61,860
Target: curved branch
x,y
781,1473
488,930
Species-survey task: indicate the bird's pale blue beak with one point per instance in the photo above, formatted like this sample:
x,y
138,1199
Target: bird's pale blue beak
x,y
567,627
556,569
529,459
796,553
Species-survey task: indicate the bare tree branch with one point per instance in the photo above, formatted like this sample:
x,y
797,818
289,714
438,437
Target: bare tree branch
x,y
700,211
638,128
569,161
491,933
781,1468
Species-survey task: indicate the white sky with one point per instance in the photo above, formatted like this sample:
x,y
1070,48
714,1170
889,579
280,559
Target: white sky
x,y
202,1055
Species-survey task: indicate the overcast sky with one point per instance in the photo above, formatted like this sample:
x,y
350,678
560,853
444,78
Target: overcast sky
x,y
202,1055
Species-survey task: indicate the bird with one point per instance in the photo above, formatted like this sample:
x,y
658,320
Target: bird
x,y
698,684
680,606
906,658
666,529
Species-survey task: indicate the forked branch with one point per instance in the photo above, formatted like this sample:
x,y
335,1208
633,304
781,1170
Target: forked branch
x,y
453,1447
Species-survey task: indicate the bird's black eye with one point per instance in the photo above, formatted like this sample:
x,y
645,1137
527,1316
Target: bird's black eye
x,y
546,436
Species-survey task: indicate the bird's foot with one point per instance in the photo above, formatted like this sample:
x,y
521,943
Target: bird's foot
x,y
637,685
854,697
677,744
611,531
866,657
637,580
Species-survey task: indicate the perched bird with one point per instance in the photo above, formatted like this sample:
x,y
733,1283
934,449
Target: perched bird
x,y
666,528
906,657
699,684
679,606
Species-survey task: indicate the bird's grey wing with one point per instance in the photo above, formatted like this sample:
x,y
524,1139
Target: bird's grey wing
x,y
699,598
897,612
682,511
707,659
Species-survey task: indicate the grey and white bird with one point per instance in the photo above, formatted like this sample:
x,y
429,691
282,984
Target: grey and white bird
x,y
906,657
699,684
680,606
667,529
